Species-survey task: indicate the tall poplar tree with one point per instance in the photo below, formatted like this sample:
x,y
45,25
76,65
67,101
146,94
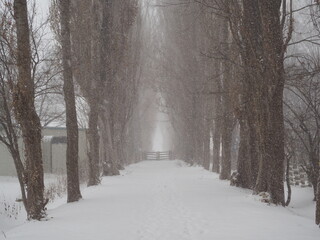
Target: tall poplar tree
x,y
73,187
27,116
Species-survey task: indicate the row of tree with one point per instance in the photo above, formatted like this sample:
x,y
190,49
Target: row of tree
x,y
233,75
90,54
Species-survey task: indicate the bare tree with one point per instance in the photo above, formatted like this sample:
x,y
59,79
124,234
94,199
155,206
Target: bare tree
x,y
27,117
71,113
104,71
226,136
8,128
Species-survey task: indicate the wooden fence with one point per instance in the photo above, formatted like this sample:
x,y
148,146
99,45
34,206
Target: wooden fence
x,y
168,155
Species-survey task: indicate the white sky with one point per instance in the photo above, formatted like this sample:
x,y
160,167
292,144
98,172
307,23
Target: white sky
x,y
43,7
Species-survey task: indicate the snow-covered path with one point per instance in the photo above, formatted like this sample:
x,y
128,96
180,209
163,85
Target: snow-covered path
x,y
170,201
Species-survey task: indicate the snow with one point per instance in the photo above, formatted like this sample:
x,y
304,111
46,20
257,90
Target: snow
x,y
161,140
12,213
158,139
168,200
15,214
43,7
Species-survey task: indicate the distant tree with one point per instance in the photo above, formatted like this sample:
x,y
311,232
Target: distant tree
x,y
226,101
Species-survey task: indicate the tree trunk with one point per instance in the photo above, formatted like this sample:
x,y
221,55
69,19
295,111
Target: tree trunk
x,y
318,203
217,129
263,55
261,126
12,141
93,139
247,166
20,173
206,145
73,187
288,181
313,170
271,109
251,32
276,150
226,152
109,166
216,144
253,145
226,135
27,117
244,157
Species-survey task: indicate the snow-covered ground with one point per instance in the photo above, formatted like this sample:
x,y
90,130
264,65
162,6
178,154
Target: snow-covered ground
x,y
168,200
12,213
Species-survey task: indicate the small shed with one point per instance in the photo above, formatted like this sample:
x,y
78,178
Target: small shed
x,y
54,147
54,154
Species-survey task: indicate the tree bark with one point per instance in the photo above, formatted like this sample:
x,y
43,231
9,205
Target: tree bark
x,y
313,170
271,109
263,55
217,138
217,127
318,203
251,52
227,110
206,145
93,139
73,186
27,117
288,181
244,157
109,166
226,153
